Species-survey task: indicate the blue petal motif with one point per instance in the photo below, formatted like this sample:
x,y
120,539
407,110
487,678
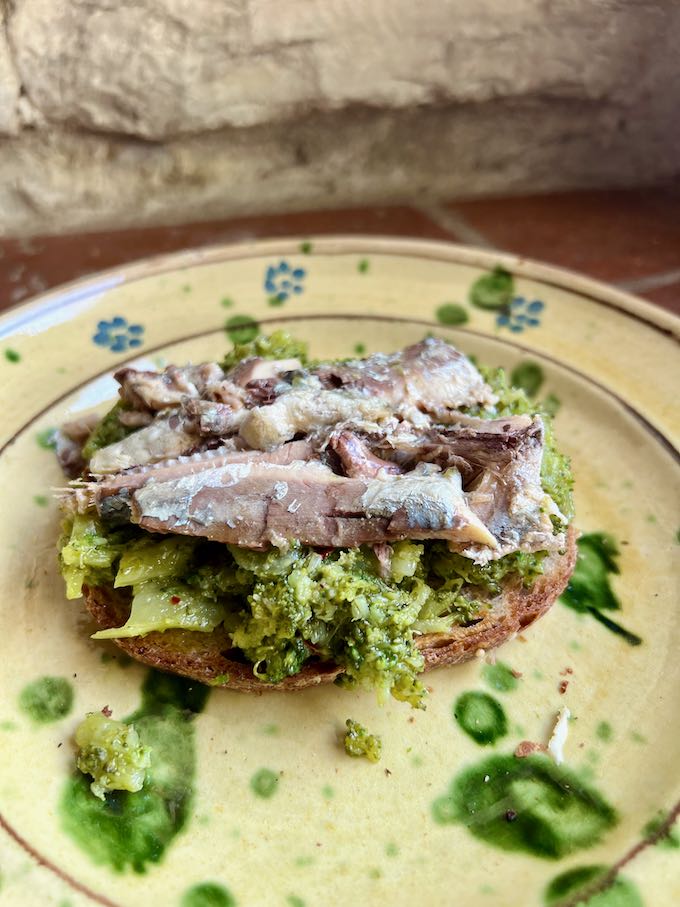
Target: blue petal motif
x,y
118,335
282,280
520,314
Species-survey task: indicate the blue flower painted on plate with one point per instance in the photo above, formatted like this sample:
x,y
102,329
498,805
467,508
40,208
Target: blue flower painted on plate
x,y
520,314
118,335
281,281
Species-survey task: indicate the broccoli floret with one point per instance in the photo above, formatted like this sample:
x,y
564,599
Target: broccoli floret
x,y
110,751
358,742
279,345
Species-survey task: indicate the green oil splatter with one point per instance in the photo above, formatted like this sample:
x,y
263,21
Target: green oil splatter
x,y
375,873
537,675
363,266
651,518
276,300
208,894
264,783
186,288
451,313
621,893
637,737
327,792
46,699
526,804
391,849
304,861
670,838
575,645
226,302
47,438
294,901
493,290
360,349
8,726
41,500
241,329
604,732
12,355
589,590
132,830
529,376
417,761
306,247
500,677
271,730
481,717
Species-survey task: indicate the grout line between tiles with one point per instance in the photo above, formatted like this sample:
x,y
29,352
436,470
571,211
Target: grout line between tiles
x,y
455,223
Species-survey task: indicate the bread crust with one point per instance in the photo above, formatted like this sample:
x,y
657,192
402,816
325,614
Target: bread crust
x,y
209,657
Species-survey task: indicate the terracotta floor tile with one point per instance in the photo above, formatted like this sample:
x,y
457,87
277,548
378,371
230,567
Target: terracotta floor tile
x,y
29,266
668,297
613,235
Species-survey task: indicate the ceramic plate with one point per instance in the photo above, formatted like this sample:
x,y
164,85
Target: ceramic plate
x,y
262,806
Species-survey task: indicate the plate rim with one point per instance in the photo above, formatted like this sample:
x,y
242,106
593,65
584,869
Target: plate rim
x,y
598,291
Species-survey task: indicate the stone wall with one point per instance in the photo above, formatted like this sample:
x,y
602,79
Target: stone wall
x,y
114,111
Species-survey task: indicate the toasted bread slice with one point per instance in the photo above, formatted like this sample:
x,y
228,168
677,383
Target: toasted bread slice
x,y
210,658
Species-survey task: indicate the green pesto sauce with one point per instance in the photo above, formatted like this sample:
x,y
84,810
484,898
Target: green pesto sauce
x,y
391,849
670,838
306,247
604,732
363,266
294,901
264,783
481,717
208,894
133,830
327,792
590,590
529,376
46,699
528,805
41,500
621,893
500,677
12,356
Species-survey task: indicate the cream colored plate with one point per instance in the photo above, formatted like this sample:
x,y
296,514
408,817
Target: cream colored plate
x,y
338,831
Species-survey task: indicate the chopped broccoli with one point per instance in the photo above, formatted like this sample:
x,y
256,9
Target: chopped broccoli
x,y
109,430
110,751
358,742
278,345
